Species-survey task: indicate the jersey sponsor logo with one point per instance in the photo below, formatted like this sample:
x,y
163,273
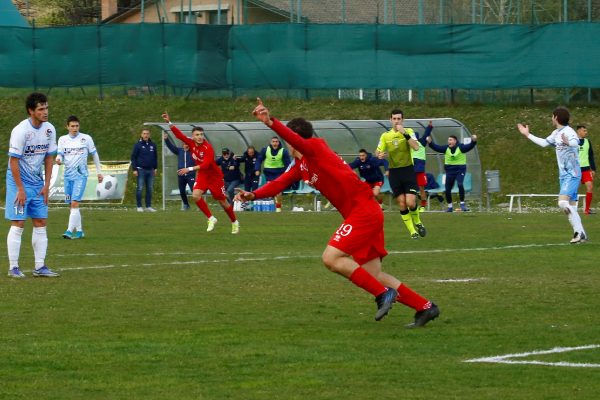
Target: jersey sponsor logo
x,y
36,149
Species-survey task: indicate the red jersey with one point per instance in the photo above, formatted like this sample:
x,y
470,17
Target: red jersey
x,y
203,154
326,172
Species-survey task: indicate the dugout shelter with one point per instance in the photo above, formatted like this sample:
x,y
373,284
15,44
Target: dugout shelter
x,y
345,137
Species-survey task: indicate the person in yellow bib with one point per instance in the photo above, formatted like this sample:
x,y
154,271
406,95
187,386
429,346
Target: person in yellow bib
x,y
276,160
588,166
455,166
396,145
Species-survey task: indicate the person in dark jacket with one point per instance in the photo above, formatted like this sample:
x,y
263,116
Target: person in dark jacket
x,y
248,159
144,162
369,169
184,161
231,172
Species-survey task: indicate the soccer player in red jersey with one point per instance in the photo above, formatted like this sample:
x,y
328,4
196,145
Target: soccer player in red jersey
x,y
208,177
356,248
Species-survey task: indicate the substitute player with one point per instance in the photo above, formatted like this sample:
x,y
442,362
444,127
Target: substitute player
x,y
565,141
73,151
369,169
419,161
32,146
208,177
356,248
397,144
588,166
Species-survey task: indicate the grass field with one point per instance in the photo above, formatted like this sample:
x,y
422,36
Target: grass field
x,y
150,306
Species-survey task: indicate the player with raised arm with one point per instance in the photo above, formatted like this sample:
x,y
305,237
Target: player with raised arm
x,y
566,142
32,147
356,248
208,177
73,151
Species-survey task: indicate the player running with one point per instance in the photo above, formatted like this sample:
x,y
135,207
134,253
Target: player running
x,y
356,248
73,151
32,146
208,177
566,142
397,144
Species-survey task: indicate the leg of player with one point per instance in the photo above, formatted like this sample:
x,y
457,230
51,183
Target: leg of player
x,y
39,241
450,178
460,179
278,198
589,190
13,245
228,207
425,310
406,218
413,211
197,196
75,225
377,194
341,263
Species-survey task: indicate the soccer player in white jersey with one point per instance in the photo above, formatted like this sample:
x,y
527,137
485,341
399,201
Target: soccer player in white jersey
x,y
32,147
73,151
566,142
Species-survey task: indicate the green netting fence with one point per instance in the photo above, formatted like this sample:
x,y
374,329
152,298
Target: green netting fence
x,y
303,56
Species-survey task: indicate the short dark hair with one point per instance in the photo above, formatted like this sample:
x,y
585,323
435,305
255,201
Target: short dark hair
x,y
396,111
302,127
34,99
562,115
72,118
454,137
198,128
580,127
362,151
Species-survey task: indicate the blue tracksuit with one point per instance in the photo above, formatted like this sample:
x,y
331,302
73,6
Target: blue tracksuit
x,y
370,169
184,160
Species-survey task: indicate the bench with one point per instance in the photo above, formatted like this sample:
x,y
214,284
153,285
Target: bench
x,y
518,196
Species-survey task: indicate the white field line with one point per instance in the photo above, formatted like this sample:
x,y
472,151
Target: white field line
x,y
273,258
509,358
462,280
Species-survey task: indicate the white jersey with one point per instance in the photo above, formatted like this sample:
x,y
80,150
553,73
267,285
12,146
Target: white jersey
x,y
31,145
74,152
567,155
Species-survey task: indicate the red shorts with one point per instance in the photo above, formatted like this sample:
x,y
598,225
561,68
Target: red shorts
x,y
215,184
361,234
373,184
586,176
421,179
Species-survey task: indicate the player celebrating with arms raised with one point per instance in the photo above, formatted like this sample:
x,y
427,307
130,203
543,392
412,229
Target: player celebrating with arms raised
x,y
566,142
32,146
73,151
356,248
208,177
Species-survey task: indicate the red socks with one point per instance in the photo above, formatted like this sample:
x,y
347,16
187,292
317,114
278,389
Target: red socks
x,y
588,201
230,213
204,208
412,299
363,279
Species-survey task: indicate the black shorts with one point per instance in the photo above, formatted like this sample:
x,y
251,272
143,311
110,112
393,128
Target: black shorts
x,y
403,180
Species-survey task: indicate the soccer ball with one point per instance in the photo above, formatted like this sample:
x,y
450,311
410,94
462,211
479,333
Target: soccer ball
x,y
107,189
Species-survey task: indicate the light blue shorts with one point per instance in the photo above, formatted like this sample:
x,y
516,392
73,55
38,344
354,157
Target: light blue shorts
x,y
34,204
569,184
74,189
